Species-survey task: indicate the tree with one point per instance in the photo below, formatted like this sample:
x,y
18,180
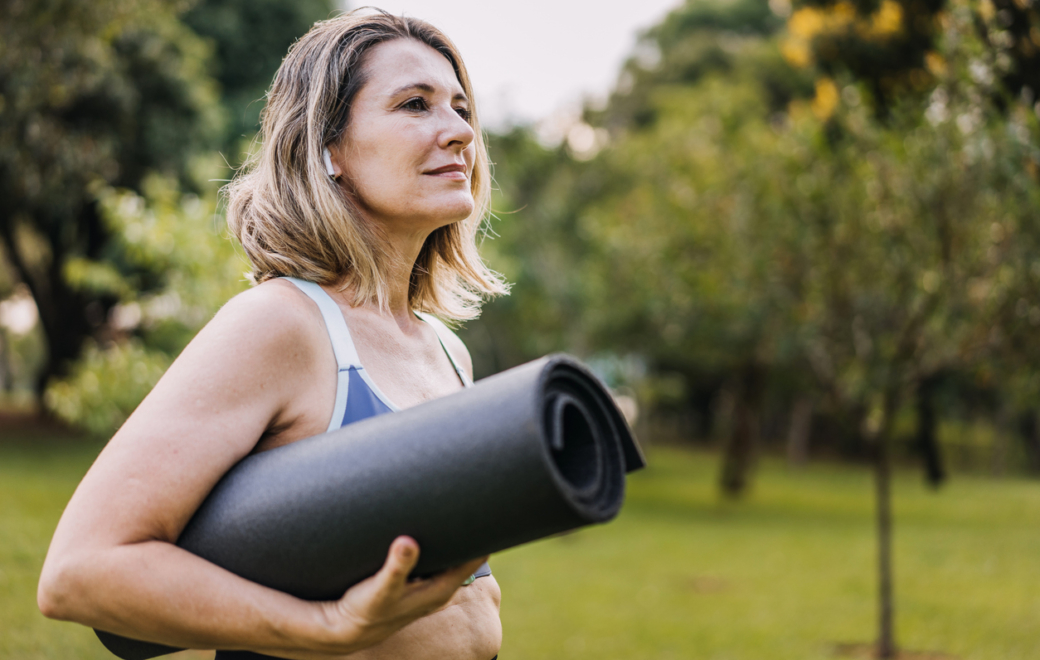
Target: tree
x,y
956,240
856,251
97,95
92,94
249,38
615,309
165,231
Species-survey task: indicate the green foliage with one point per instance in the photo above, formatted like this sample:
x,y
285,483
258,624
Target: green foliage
x,y
250,38
182,237
532,241
888,45
108,94
91,94
697,40
177,242
847,257
99,90
21,357
106,385
1012,30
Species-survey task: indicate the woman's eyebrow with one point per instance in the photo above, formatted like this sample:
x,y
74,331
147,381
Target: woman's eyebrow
x,y
428,88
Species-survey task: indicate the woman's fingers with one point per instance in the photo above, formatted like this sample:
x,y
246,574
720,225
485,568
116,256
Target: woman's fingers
x,y
400,560
430,594
389,599
376,608
378,597
450,579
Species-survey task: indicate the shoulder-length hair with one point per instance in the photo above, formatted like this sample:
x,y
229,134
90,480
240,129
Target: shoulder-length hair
x,y
292,219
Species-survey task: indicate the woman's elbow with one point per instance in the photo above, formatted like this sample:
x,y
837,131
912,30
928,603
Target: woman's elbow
x,y
56,592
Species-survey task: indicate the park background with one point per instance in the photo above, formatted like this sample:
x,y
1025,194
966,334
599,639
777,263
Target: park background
x,y
798,239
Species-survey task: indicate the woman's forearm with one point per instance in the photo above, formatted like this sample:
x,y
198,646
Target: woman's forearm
x,y
158,592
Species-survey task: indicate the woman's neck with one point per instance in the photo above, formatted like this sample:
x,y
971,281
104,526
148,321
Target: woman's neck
x,y
403,253
402,250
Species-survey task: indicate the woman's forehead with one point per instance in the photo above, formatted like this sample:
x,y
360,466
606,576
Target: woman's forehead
x,y
403,65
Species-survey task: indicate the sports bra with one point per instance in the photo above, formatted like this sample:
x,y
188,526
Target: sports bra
x,y
357,396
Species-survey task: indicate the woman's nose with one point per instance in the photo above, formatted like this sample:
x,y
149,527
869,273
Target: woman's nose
x,y
455,131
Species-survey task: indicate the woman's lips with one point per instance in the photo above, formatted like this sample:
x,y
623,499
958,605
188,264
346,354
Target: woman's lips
x,y
454,171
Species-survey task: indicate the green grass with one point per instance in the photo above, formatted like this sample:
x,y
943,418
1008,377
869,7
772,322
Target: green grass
x,y
789,573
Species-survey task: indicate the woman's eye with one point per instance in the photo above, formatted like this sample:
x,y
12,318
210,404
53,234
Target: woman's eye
x,y
464,113
418,103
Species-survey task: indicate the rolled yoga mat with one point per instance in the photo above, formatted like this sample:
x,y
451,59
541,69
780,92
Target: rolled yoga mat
x,y
533,451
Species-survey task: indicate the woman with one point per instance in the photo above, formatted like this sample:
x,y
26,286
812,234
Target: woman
x,y
359,212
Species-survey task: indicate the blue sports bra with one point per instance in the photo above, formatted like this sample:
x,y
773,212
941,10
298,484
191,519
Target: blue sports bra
x,y
357,396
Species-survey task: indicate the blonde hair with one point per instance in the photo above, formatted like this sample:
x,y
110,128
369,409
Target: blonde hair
x,y
292,219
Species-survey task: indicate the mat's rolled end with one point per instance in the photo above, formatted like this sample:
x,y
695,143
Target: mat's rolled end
x,y
133,649
559,364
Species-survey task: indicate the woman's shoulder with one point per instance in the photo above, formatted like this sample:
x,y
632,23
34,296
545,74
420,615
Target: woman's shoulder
x,y
276,299
273,313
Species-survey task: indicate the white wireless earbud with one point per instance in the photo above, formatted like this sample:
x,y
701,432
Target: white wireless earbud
x,y
328,163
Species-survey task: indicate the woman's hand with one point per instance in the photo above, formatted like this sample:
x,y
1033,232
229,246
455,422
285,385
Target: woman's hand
x,y
373,610
467,628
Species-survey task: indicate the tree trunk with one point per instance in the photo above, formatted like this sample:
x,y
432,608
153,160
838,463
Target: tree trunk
x,y
739,455
927,440
6,378
886,644
68,319
1001,446
67,316
1029,431
798,432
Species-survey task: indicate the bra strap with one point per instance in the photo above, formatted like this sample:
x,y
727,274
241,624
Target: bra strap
x,y
342,344
443,331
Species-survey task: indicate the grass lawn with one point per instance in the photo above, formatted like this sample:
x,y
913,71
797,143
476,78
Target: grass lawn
x,y
788,574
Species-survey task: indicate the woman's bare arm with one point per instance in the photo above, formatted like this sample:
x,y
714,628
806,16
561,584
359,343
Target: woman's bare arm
x,y
112,563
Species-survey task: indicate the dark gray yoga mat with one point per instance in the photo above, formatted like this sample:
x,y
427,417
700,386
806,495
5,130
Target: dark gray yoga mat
x,y
533,451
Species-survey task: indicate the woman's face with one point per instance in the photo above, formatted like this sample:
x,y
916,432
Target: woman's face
x,y
408,151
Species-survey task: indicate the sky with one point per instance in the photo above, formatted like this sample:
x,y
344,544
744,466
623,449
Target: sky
x,y
535,61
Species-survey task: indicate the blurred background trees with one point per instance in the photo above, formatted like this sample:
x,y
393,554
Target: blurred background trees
x,y
152,98
798,228
821,232
809,226
93,94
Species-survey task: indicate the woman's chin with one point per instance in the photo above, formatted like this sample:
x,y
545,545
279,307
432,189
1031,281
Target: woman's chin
x,y
453,211
428,217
